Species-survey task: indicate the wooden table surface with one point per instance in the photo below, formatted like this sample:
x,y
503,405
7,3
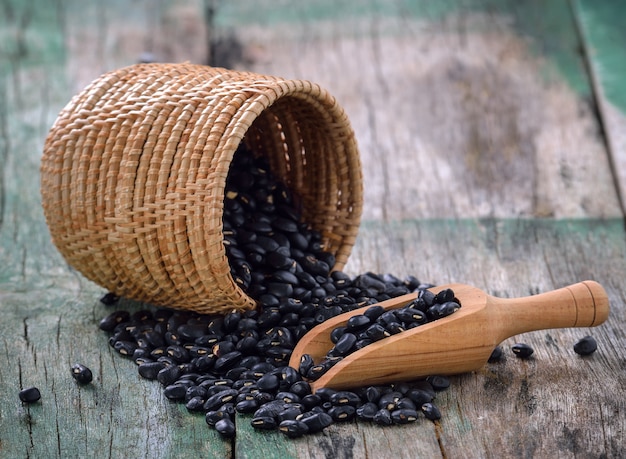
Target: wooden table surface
x,y
492,136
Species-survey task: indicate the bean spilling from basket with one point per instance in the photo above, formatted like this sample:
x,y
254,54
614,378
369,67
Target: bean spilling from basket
x,y
238,363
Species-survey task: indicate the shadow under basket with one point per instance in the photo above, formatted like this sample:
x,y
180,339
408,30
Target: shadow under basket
x,y
134,170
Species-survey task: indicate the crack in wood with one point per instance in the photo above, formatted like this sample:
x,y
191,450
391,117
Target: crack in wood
x,y
596,96
439,436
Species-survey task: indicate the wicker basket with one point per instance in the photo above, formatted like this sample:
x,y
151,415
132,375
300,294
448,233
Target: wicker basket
x,y
134,169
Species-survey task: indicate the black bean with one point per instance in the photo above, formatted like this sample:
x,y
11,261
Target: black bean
x,y
374,312
271,408
314,266
431,411
81,373
425,386
372,394
264,423
394,328
411,315
225,427
342,413
444,296
268,382
406,403
344,345
150,370
383,417
293,428
357,323
172,339
389,400
360,344
311,400
317,422
154,339
178,353
285,277
227,360
289,376
30,395
195,391
316,371
109,299
175,391
369,281
419,396
496,355
586,346
113,320
522,350
337,333
213,416
377,332
403,416
169,374
279,289
427,297
247,406
287,397
300,388
216,400
438,382
387,318
367,411
345,398
195,404
439,311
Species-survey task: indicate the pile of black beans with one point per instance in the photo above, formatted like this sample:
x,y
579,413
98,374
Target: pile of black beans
x,y
238,362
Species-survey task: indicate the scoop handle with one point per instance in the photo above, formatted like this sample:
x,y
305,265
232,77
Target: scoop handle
x,y
584,304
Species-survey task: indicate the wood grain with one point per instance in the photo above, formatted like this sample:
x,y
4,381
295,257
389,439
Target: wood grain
x,y
600,27
461,102
469,116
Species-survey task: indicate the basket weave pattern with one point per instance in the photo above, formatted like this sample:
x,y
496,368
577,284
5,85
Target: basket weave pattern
x,y
134,169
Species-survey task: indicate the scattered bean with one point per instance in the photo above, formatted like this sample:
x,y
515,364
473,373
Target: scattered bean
x,y
496,355
431,411
81,373
30,395
586,346
522,350
225,427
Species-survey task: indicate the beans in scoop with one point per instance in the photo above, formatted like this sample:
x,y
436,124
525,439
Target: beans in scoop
x,y
376,324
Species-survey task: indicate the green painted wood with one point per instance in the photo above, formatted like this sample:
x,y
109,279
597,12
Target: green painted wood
x,y
122,414
602,23
557,404
48,312
601,28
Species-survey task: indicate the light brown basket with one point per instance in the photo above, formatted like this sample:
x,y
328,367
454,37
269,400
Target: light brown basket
x,y
134,169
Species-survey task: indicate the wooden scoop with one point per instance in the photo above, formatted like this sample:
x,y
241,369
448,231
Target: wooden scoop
x,y
458,343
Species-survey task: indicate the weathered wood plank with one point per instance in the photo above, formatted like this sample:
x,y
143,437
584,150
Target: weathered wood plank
x,y
459,114
601,26
554,402
48,314
557,402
